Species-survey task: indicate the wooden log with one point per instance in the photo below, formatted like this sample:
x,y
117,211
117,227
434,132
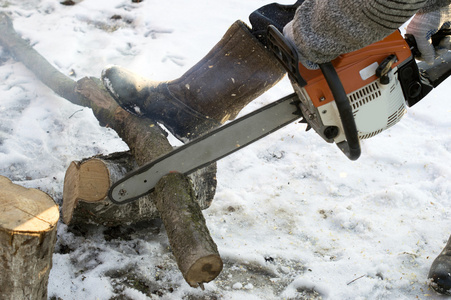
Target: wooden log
x,y
28,221
86,186
195,251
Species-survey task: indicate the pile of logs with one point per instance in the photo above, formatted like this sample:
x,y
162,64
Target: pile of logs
x,y
177,199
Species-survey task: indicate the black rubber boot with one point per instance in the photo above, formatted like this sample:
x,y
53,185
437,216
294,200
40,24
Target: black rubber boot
x,y
440,272
235,72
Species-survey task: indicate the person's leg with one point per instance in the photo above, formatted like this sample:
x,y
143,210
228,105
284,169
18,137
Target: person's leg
x,y
440,272
236,71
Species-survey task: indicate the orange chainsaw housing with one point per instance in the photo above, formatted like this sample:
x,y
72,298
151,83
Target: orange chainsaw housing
x,y
349,65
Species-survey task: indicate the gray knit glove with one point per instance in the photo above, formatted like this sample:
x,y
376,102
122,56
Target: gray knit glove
x,y
423,26
288,33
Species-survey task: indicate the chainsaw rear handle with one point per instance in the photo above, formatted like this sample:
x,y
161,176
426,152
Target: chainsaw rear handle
x,y
287,55
435,40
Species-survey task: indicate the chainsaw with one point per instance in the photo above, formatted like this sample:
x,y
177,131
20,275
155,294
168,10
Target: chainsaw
x,y
354,97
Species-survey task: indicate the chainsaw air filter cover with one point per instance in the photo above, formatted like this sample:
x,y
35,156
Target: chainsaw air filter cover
x,y
377,107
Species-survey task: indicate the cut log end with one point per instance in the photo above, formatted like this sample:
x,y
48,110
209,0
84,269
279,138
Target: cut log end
x,y
204,270
26,210
192,245
88,181
94,180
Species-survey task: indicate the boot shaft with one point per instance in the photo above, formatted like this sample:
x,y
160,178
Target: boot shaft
x,y
236,71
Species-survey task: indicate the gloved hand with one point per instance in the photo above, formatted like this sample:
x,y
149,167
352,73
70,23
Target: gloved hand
x,y
423,26
288,33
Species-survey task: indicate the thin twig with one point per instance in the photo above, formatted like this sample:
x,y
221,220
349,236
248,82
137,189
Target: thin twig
x,y
75,113
355,279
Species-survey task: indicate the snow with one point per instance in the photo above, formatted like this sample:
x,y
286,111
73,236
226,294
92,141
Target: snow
x,y
292,217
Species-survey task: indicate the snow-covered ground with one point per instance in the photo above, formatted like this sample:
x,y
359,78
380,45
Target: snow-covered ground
x,y
293,218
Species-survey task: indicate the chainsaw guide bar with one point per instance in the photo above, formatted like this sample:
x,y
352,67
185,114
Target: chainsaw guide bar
x,y
208,148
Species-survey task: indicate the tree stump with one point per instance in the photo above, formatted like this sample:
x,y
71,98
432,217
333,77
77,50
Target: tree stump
x,y
28,220
192,245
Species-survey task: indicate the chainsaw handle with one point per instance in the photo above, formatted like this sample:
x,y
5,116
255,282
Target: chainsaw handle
x,y
350,147
435,40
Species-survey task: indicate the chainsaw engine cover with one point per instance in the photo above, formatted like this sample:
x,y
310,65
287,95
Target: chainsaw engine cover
x,y
370,79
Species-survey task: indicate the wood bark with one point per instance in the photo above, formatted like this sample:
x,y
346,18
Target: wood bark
x,y
28,221
195,251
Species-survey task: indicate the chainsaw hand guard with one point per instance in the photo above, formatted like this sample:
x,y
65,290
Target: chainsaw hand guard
x,y
287,55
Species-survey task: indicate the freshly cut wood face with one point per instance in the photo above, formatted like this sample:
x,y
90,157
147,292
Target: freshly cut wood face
x,y
94,181
26,210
